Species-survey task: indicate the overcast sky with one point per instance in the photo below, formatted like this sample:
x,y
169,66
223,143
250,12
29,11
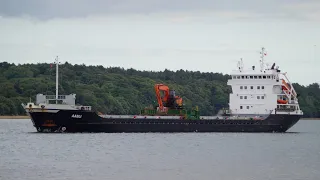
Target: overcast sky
x,y
206,35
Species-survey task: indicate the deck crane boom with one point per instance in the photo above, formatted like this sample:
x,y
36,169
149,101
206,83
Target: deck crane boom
x,y
169,100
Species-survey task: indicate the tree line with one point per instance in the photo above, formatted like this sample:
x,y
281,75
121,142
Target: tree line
x,y
116,90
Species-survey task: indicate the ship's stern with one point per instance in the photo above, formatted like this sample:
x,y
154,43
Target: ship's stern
x,y
44,120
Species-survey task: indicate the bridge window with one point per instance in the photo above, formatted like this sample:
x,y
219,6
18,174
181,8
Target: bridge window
x,y
245,87
255,77
247,107
251,87
264,77
258,97
268,77
262,87
245,97
241,87
240,107
260,77
251,77
262,97
62,97
258,87
241,97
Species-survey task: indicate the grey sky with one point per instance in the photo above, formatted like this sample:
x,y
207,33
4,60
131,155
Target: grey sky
x,y
207,35
46,9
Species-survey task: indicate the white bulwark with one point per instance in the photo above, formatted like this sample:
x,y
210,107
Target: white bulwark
x,y
261,91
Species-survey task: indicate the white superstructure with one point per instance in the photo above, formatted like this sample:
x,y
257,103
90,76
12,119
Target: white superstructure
x,y
53,103
261,91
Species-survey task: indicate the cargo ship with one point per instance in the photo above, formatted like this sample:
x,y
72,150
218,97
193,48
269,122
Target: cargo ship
x,y
262,100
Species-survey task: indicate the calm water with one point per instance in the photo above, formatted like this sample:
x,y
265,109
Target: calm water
x,y
195,156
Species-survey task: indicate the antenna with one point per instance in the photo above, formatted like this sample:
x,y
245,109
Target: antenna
x,y
262,59
240,65
57,78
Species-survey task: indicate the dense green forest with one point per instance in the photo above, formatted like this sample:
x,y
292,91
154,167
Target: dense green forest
x,y
115,90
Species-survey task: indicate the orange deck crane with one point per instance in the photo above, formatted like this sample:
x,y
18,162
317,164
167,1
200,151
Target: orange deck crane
x,y
169,100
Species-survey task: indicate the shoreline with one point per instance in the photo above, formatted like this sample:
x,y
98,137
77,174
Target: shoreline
x,y
27,117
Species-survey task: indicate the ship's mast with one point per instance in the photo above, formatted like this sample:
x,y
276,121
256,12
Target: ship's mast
x,y
240,65
57,78
262,59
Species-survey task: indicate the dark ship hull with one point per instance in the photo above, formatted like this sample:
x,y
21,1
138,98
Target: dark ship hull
x,y
89,121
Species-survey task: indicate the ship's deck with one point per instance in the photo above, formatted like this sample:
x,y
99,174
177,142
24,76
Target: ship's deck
x,y
247,117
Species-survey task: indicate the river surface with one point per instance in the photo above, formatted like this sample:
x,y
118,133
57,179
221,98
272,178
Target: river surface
x,y
27,155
